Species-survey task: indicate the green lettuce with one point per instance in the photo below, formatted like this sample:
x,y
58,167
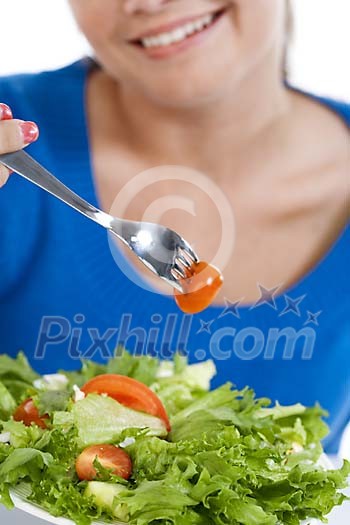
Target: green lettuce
x,y
50,401
142,368
7,402
179,385
100,419
18,376
230,458
22,436
21,463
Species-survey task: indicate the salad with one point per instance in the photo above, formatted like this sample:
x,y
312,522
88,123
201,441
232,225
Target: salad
x,y
146,442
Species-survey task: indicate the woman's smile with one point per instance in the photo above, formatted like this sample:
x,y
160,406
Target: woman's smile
x,y
172,38
151,47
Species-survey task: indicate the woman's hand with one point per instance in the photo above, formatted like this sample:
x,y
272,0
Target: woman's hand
x,y
14,135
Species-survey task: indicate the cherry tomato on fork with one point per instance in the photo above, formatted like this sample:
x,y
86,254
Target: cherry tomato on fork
x,y
201,285
128,392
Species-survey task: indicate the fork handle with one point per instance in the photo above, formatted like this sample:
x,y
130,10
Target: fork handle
x,y
30,169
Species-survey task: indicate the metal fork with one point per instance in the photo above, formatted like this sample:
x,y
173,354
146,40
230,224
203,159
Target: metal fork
x,y
162,250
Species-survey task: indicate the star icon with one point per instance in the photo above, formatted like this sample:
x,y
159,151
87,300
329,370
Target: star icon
x,y
292,305
267,296
231,308
205,326
312,318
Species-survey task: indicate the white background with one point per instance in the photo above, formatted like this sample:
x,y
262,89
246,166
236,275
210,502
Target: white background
x,y
40,34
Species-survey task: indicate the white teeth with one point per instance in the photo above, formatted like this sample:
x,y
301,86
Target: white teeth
x,y
179,34
190,28
164,40
198,25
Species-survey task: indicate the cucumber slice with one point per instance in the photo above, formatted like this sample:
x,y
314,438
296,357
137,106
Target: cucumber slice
x,y
106,495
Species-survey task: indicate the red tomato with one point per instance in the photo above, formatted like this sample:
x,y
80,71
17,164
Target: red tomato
x,y
200,288
28,414
128,392
110,457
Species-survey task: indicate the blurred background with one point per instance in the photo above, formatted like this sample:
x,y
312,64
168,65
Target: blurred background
x,y
40,35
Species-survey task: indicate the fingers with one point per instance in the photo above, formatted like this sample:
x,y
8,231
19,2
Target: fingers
x,y
15,134
5,112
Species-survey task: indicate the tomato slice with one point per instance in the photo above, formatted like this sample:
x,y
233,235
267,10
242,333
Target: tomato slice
x,y
109,456
28,414
128,392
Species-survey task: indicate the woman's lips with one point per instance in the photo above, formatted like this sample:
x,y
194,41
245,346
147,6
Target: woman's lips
x,y
177,38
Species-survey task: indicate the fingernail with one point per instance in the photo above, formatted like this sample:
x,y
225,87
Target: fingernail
x,y
30,131
5,112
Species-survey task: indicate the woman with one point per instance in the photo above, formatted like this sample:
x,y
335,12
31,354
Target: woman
x,y
197,84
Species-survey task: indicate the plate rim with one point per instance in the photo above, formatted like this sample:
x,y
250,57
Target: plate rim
x,y
29,507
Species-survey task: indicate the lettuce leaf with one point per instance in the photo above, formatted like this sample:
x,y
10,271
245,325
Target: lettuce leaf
x,y
100,419
159,501
18,368
22,436
7,403
18,376
178,384
141,368
50,401
21,464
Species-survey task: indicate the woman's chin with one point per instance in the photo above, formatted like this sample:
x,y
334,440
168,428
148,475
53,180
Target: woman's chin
x,y
185,91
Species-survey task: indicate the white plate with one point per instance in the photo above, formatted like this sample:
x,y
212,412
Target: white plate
x,y
345,444
19,497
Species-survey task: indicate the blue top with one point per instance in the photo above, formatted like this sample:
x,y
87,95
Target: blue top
x,y
62,295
